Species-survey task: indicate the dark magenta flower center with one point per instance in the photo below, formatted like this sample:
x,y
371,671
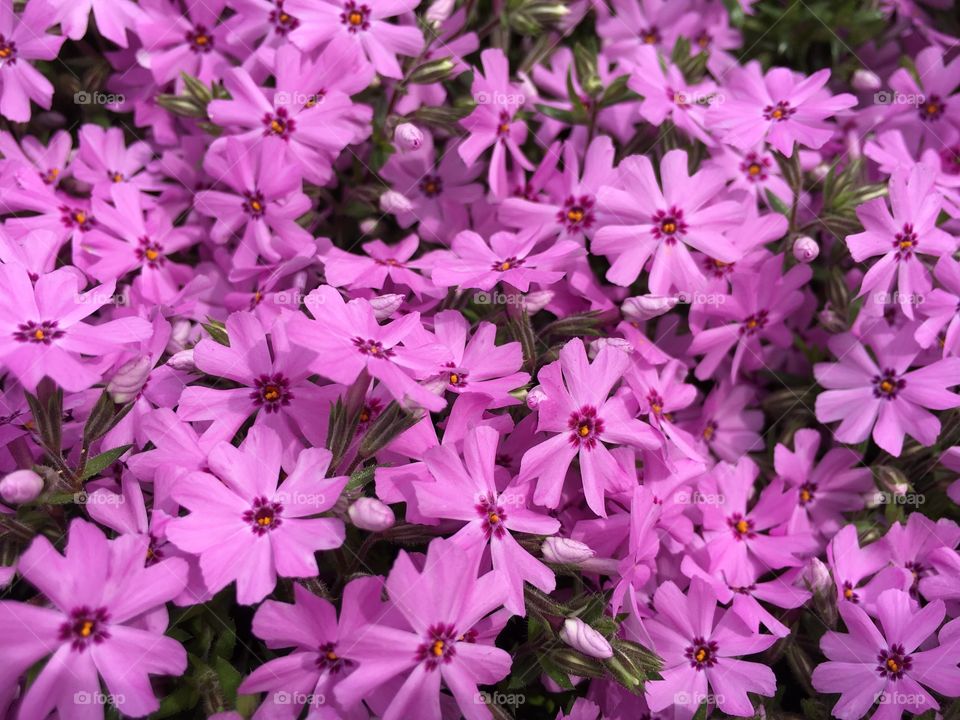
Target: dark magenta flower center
x,y
887,385
149,252
263,516
702,653
586,427
279,123
373,348
431,185
932,108
85,626
200,39
741,526
892,663
254,204
42,332
577,213
669,224
439,646
905,242
271,392
779,112
493,516
355,17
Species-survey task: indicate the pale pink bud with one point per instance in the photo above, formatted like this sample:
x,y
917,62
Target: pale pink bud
x,y
865,80
537,300
183,360
564,551
805,249
535,397
616,343
368,513
408,137
440,10
580,636
394,203
645,307
386,305
817,575
128,381
21,486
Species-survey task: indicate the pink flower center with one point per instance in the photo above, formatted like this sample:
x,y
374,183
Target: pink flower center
x,y
509,263
493,516
200,39
150,253
650,36
887,385
742,527
932,108
702,653
905,242
431,185
263,516
328,659
950,160
586,427
755,167
355,17
76,218
85,626
577,213
8,52
457,377
669,224
754,323
374,348
283,22
849,594
254,204
279,124
807,493
39,333
892,663
779,112
272,392
439,646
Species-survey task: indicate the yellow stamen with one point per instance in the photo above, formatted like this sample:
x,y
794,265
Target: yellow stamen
x,y
5,52
584,430
151,254
493,518
264,521
701,655
355,18
777,114
575,215
892,665
271,393
754,169
669,227
276,127
805,495
742,527
332,656
201,40
504,266
38,334
504,128
80,217
708,432
437,648
886,386
454,378
848,593
87,628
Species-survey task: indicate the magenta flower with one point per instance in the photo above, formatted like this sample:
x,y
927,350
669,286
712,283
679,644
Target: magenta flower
x,y
103,160
464,489
572,214
99,591
42,333
264,204
860,575
738,538
347,340
757,309
699,648
275,386
191,42
867,666
493,123
643,222
901,238
781,107
314,666
315,125
383,262
245,527
576,407
478,364
363,22
473,262
448,639
941,309
24,38
128,238
932,98
51,161
884,395
113,17
725,424
826,489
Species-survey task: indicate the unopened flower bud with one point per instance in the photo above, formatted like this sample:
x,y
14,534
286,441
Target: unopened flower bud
x,y
805,249
179,335
564,551
393,202
368,226
537,300
440,10
645,307
386,305
865,80
183,360
617,343
407,137
580,636
368,513
21,486
535,397
817,575
129,379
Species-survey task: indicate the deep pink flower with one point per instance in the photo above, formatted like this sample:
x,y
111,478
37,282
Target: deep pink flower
x,y
24,38
247,527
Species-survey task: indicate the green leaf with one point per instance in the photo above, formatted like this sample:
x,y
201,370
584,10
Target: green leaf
x,y
99,463
217,331
560,114
777,204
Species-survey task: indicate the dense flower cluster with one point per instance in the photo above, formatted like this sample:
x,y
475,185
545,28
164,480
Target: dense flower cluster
x,y
399,359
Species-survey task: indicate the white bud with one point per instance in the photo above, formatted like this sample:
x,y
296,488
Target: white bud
x,y
817,575
535,397
368,226
179,335
129,379
368,513
440,10
865,80
645,307
580,636
21,486
564,551
537,300
183,360
408,137
805,249
393,202
617,343
386,305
